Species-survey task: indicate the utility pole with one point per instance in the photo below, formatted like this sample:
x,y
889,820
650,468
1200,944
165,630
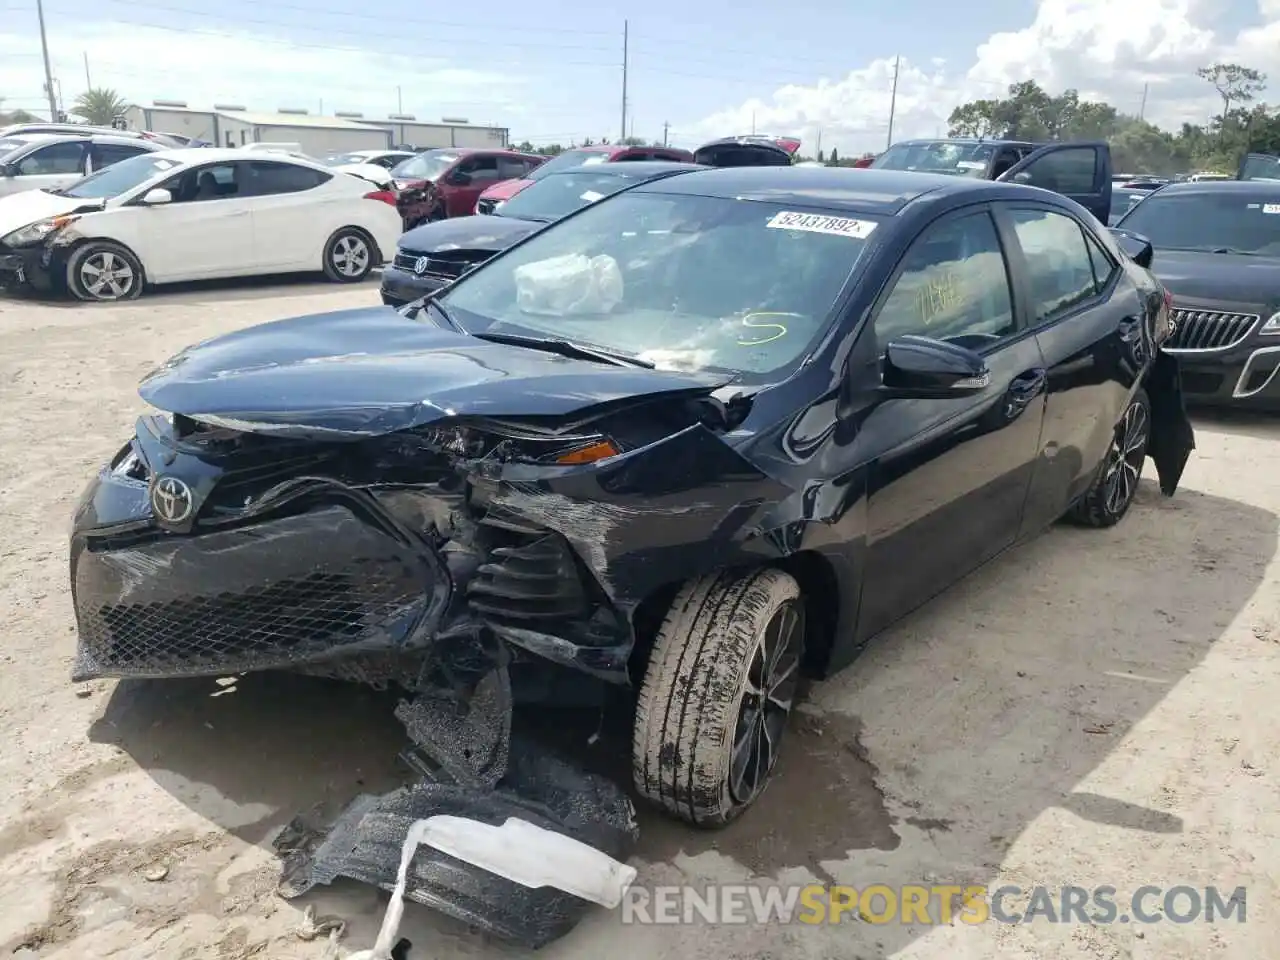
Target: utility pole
x,y
753,123
88,84
623,134
666,127
893,100
819,141
48,71
399,102
1142,109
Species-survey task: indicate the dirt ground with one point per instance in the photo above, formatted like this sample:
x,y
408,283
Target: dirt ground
x,y
1094,708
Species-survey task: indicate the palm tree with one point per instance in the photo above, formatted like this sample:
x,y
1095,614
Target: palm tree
x,y
99,106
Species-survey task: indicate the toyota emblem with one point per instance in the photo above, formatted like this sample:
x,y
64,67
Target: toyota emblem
x,y
420,265
171,500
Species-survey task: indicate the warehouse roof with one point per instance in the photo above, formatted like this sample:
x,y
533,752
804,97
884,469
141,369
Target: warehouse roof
x,y
289,120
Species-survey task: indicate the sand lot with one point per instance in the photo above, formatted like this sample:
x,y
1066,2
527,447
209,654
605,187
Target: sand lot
x,y
1093,708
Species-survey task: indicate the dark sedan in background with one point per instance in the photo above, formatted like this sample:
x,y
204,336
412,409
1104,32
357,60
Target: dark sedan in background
x,y
435,254
1217,249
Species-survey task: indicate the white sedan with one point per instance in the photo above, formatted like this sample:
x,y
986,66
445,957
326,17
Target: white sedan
x,y
179,215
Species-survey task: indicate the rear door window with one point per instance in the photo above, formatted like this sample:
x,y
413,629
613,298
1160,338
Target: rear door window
x,y
266,179
1059,264
1070,171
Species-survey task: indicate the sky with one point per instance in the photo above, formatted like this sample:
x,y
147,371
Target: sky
x,y
818,69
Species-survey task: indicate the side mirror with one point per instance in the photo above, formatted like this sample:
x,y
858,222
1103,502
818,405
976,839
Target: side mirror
x,y
460,179
156,197
924,368
8,170
1136,247
1022,176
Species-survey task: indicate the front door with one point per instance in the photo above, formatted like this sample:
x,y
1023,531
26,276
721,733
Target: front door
x,y
1081,171
49,167
205,231
948,477
479,173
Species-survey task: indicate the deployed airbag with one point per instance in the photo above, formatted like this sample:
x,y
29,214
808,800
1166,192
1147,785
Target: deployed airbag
x,y
573,284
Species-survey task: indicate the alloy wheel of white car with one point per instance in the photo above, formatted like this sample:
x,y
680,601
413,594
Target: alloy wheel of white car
x,y
104,272
348,256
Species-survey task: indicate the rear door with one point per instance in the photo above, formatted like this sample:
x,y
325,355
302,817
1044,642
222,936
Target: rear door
x,y
105,154
289,212
1081,171
1088,319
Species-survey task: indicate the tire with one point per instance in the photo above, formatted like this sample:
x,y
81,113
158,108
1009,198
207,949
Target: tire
x,y
90,263
708,658
1108,499
348,256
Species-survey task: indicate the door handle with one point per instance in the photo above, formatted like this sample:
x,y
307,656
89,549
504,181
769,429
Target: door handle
x,y
238,213
1130,329
1026,386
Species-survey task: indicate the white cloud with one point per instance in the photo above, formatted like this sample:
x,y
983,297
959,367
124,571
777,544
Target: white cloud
x,y
1105,52
203,68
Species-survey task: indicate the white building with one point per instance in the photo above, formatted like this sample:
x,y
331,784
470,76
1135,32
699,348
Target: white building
x,y
232,125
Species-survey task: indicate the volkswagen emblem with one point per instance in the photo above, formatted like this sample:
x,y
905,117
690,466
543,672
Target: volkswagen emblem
x,y
171,500
420,265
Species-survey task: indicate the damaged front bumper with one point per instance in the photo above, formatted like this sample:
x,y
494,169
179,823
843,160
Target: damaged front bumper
x,y
358,560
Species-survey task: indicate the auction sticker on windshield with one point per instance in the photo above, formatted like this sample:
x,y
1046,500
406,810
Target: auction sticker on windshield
x,y
1271,208
970,165
816,223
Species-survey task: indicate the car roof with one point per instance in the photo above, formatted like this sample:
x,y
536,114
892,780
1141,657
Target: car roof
x,y
186,156
32,138
1267,188
635,169
837,188
968,141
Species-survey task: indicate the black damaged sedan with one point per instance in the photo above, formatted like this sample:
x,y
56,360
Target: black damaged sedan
x,y
694,439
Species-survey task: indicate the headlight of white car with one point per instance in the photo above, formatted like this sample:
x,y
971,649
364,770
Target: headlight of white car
x,y
1272,326
37,232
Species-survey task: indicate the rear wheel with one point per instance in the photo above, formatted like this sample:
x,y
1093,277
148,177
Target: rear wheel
x,y
717,694
348,256
103,271
1113,490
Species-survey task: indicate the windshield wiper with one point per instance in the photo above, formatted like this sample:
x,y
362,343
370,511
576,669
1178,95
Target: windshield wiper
x,y
566,348
1233,250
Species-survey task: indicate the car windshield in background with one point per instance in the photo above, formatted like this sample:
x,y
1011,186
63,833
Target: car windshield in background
x,y
425,166
560,194
338,159
119,177
938,156
563,161
1123,200
1227,222
678,281
1259,166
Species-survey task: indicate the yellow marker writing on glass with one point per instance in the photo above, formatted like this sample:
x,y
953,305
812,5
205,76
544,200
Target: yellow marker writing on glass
x,y
779,330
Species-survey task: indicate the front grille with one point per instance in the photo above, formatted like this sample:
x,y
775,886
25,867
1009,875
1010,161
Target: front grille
x,y
273,623
1208,329
437,267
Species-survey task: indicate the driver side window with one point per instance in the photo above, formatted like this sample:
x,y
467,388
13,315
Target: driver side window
x,y
211,182
954,285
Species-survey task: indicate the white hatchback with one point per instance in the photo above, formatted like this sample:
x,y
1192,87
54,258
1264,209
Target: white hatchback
x,y
179,215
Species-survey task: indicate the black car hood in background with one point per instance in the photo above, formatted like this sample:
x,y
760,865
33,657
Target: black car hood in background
x,y
1222,277
491,234
368,372
753,150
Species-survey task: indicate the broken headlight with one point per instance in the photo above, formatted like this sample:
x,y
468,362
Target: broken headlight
x,y
38,232
519,442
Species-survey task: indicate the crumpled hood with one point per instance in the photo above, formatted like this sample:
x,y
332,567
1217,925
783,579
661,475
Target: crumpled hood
x,y
369,372
505,190
487,233
19,209
1222,278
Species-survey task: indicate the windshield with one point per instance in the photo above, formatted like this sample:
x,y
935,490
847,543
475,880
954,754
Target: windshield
x,y
559,195
1228,220
570,158
119,177
938,156
1123,200
683,282
338,159
425,166
1259,166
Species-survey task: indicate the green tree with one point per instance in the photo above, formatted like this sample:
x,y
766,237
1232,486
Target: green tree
x,y
833,158
1235,85
99,106
819,157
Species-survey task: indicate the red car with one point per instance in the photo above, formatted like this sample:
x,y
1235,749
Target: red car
x,y
437,184
605,153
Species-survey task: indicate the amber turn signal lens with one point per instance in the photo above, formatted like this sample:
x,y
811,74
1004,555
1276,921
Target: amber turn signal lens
x,y
600,450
